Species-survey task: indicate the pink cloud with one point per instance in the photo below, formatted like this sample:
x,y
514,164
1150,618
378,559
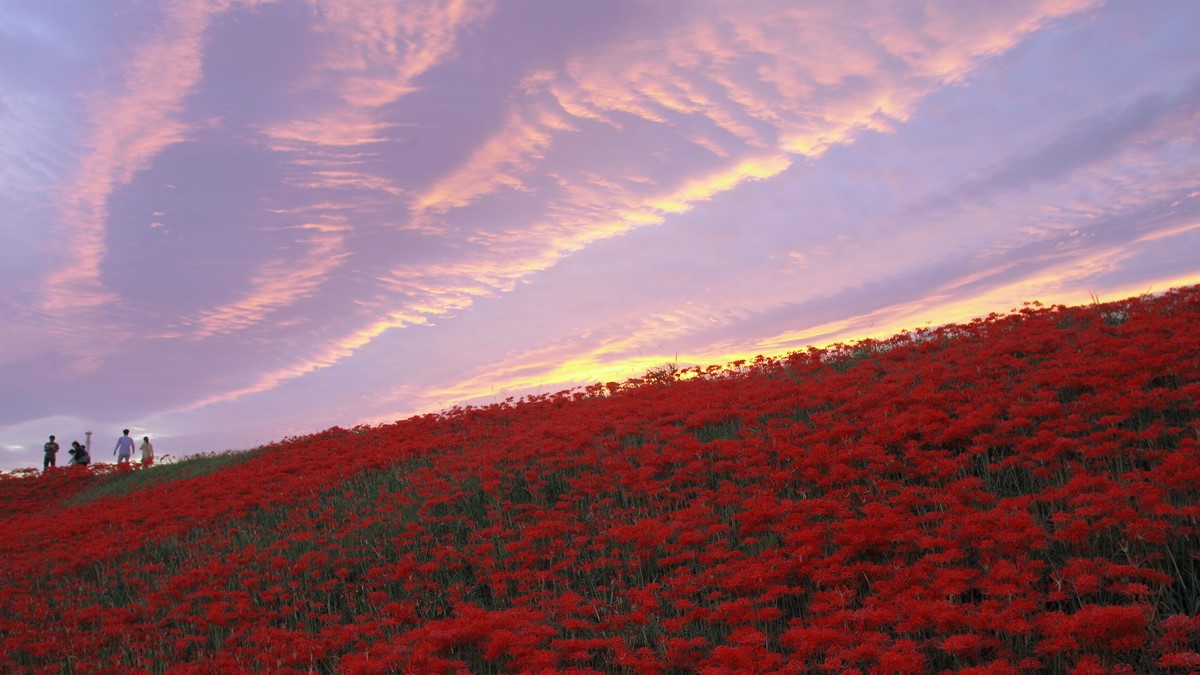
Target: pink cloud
x,y
694,71
377,48
498,162
372,53
130,127
347,128
322,355
278,284
745,79
742,69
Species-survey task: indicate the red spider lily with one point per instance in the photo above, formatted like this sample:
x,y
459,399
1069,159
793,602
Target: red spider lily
x,y
1016,494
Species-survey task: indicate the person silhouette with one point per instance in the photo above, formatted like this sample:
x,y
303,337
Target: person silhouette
x,y
147,451
79,454
51,450
124,448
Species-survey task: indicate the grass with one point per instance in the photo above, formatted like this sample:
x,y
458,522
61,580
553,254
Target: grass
x,y
123,481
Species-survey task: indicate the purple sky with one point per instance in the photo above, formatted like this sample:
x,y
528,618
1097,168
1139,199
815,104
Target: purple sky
x,y
228,221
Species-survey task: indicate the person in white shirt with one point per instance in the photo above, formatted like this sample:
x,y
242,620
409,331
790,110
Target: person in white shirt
x,y
124,449
147,451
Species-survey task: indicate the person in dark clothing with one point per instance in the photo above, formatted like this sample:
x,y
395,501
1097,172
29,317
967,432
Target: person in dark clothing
x,y
79,454
51,449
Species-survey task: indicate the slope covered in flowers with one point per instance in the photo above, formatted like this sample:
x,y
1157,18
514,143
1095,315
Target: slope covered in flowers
x,y
1017,494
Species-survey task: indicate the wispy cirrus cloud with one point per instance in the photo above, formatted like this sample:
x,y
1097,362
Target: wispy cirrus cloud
x,y
730,85
343,129
378,48
319,356
736,88
800,79
346,208
130,126
500,162
372,53
506,257
277,284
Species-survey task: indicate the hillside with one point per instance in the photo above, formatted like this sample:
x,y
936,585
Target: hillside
x,y
1016,494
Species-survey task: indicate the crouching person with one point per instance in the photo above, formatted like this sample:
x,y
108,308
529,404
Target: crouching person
x,y
79,455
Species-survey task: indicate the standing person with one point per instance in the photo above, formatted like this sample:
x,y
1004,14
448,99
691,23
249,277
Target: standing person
x,y
51,449
124,449
147,451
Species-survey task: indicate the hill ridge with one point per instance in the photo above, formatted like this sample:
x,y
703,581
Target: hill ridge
x,y
1011,494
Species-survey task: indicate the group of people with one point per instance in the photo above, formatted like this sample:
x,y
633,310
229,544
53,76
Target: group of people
x,y
124,449
81,457
79,454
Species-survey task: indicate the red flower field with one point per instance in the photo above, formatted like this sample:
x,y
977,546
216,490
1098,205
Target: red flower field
x,y
1017,494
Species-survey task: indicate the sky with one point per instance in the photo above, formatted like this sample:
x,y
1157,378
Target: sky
x,y
230,222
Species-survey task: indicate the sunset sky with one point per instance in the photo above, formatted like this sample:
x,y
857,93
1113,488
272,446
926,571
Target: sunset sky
x,y
227,222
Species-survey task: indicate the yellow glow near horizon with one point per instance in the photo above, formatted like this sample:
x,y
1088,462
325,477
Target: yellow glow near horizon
x,y
547,374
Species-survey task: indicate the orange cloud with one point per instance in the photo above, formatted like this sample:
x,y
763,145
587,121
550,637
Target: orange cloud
x,y
731,82
587,213
693,71
956,35
278,284
346,180
705,187
627,352
373,51
742,69
567,365
345,129
499,162
698,71
377,48
620,352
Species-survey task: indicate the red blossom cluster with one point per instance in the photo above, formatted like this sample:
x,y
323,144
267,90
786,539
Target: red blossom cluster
x,y
1013,495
